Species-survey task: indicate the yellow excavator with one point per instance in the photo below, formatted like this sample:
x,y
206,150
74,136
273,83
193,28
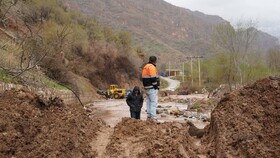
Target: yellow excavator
x,y
114,91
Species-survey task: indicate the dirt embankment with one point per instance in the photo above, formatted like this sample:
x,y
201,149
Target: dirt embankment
x,y
246,123
33,127
137,138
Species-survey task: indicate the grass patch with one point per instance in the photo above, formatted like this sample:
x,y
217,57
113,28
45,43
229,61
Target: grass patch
x,y
5,77
52,84
163,84
196,106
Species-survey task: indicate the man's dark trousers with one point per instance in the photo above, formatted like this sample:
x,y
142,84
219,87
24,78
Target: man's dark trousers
x,y
135,115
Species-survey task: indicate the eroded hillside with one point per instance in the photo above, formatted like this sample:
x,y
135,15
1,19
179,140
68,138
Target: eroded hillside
x,y
43,40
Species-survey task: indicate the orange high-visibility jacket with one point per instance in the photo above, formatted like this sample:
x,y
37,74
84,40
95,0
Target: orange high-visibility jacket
x,y
149,76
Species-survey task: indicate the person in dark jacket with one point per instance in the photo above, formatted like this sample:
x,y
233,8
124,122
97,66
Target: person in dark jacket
x,y
135,101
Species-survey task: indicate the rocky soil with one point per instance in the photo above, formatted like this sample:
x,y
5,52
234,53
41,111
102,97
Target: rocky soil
x,y
138,138
32,126
186,107
246,123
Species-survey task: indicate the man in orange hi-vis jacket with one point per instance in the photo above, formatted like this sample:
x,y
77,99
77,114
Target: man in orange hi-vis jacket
x,y
151,85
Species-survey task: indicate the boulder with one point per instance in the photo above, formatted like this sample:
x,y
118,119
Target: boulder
x,y
159,111
174,110
163,115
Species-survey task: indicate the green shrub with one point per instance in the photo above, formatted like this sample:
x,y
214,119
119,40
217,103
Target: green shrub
x,y
51,84
5,77
196,106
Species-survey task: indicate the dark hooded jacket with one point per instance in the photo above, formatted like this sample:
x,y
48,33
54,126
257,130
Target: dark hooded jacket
x,y
135,101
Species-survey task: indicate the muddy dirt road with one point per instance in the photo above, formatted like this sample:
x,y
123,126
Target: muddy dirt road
x,y
172,84
125,137
112,111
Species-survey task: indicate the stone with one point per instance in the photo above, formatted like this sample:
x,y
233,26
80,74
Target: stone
x,y
181,112
21,95
88,110
163,115
181,101
203,116
91,104
177,125
187,114
159,111
194,114
174,110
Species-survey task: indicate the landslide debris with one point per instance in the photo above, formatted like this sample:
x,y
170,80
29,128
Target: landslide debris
x,y
33,127
138,138
246,123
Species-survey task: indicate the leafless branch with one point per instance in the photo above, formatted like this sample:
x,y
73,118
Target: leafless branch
x,y
31,66
3,18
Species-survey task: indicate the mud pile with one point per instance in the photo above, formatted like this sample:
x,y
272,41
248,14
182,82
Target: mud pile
x,y
33,127
137,138
246,123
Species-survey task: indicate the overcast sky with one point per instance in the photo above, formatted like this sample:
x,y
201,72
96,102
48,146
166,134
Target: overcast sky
x,y
265,13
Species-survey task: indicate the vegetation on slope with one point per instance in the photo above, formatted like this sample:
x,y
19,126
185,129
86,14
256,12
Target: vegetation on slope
x,y
236,61
46,36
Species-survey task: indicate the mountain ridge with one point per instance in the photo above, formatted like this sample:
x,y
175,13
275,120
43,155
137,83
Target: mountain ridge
x,y
158,26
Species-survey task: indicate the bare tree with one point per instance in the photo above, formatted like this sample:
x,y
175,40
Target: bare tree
x,y
224,42
273,58
31,48
236,44
245,36
5,7
32,52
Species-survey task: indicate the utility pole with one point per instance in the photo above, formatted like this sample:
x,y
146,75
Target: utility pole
x,y
191,71
199,76
169,69
199,80
183,72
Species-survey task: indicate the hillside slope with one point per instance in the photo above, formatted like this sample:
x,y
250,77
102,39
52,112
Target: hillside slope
x,y
159,26
42,40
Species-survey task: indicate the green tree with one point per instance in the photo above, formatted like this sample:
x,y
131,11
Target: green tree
x,y
125,39
95,32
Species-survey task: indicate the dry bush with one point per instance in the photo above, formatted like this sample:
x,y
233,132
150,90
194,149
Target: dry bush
x,y
186,88
103,64
55,69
